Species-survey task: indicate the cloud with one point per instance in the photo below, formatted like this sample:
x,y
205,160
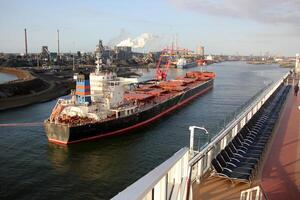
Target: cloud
x,y
264,11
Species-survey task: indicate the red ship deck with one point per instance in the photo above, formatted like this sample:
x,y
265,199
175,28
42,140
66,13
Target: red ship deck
x,y
279,176
281,172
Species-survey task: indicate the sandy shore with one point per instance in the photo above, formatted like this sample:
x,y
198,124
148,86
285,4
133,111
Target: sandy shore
x,y
34,89
19,73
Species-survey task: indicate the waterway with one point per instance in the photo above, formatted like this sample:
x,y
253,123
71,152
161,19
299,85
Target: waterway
x,y
31,168
6,77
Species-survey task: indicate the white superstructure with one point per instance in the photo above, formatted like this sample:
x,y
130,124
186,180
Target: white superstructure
x,y
106,92
181,62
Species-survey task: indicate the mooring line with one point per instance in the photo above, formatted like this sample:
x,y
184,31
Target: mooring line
x,y
22,124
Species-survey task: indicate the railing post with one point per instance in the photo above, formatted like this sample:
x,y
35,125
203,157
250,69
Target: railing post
x,y
199,170
192,133
209,156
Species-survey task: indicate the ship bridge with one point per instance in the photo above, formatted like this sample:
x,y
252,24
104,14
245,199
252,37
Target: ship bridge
x,y
255,156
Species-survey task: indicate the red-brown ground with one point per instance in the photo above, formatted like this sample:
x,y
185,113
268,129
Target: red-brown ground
x,y
280,177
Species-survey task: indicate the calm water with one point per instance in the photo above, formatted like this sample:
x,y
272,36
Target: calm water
x,y
30,168
6,77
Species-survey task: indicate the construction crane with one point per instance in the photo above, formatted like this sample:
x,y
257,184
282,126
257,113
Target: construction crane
x,y
170,54
161,74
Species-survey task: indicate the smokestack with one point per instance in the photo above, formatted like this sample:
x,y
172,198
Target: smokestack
x,y
58,42
26,52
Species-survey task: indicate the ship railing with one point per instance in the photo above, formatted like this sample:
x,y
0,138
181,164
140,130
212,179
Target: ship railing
x,y
53,112
200,164
57,103
167,181
256,193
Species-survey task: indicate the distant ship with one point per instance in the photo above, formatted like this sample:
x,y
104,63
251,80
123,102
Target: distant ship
x,y
183,63
106,105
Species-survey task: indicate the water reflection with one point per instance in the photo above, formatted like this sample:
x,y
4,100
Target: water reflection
x,y
6,77
97,160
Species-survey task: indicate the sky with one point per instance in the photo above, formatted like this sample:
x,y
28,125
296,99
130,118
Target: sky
x,y
243,27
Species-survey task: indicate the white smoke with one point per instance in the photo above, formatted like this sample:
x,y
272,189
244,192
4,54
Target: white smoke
x,y
138,42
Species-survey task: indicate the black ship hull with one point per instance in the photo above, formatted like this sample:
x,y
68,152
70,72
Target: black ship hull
x,y
63,134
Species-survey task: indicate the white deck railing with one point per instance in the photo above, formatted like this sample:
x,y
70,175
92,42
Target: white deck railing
x,y
254,193
201,162
167,181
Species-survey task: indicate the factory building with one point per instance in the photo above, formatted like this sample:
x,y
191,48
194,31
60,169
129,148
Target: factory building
x,y
123,52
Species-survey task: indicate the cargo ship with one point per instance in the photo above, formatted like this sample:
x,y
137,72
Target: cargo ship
x,y
106,105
